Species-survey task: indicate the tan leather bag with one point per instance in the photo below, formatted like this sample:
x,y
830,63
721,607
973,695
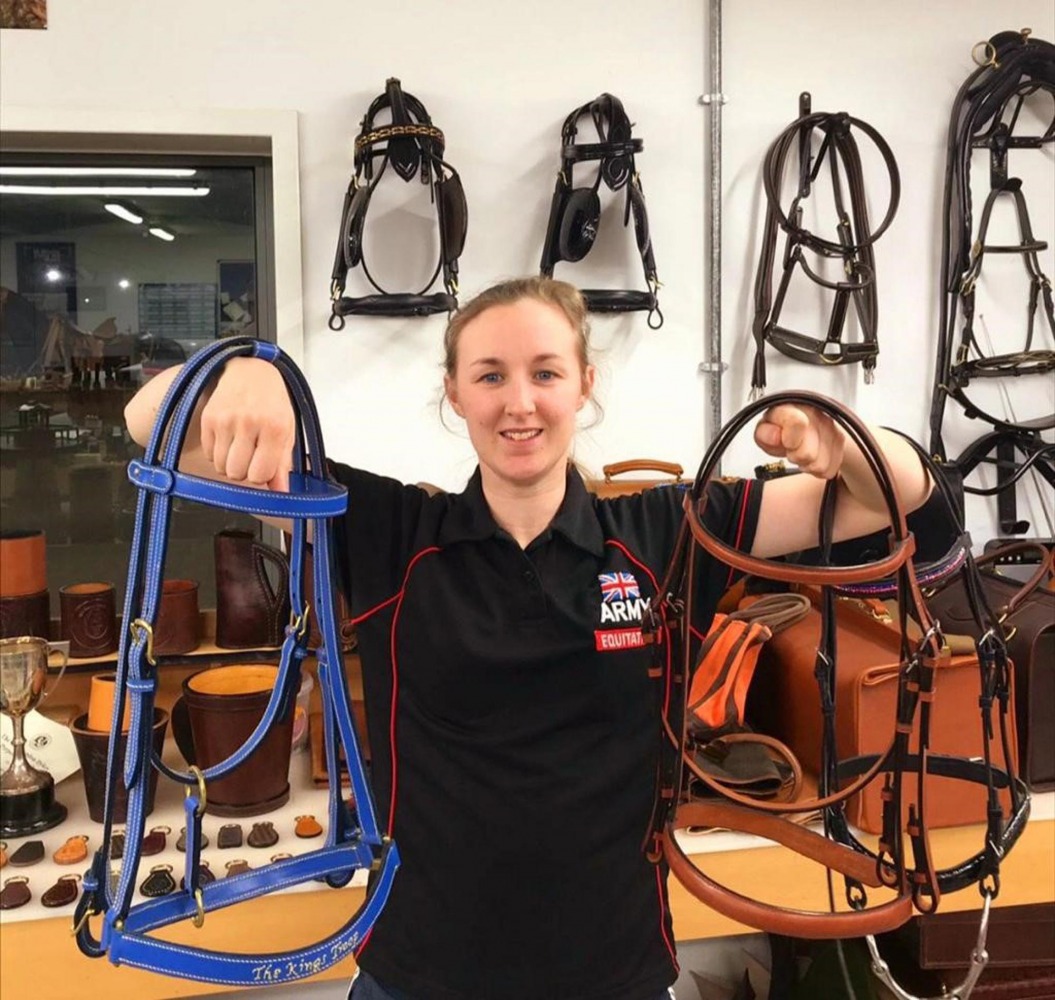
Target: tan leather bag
x,y
608,487
784,703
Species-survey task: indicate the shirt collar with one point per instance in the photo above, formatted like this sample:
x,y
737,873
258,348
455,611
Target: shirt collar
x,y
469,518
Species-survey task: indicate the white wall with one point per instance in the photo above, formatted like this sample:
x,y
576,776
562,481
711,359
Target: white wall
x,y
499,78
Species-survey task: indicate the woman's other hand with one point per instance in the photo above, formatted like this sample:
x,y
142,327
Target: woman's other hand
x,y
804,436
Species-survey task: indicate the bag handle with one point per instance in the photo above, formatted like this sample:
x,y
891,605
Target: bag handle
x,y
643,465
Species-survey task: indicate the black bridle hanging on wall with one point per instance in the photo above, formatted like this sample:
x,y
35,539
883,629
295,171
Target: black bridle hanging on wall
x,y
852,245
411,145
575,212
986,114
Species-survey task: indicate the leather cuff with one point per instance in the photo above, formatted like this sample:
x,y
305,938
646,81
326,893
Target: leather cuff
x,y
89,618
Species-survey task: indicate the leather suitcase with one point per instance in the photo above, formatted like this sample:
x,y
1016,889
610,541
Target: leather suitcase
x,y
608,487
1031,645
784,702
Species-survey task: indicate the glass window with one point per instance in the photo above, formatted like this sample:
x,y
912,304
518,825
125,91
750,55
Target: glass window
x,y
112,269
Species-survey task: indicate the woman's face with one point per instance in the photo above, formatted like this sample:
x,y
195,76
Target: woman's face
x,y
518,385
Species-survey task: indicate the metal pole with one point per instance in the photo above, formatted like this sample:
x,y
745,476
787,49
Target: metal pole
x,y
714,367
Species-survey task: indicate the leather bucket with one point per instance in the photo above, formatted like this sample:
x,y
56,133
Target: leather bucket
x,y
250,612
223,706
23,563
101,704
28,615
178,626
92,749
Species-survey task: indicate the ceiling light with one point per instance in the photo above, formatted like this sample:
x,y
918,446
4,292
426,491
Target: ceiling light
x,y
123,212
124,283
161,234
108,190
97,172
52,275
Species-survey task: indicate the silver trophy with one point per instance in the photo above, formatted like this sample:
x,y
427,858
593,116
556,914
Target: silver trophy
x,y
27,795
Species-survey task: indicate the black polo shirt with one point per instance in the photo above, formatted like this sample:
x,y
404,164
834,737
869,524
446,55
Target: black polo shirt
x,y
514,735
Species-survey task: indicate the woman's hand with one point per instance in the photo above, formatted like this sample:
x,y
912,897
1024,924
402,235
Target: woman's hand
x,y
248,426
805,436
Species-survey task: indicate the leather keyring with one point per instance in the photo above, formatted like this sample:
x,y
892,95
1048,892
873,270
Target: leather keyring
x,y
155,842
281,856
73,851
262,835
29,853
307,826
15,893
159,882
230,835
62,893
181,842
117,846
236,867
205,875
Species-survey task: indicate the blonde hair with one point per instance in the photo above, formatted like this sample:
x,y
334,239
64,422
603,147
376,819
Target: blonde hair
x,y
559,294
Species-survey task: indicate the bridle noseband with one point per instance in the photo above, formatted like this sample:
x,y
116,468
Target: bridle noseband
x,y
410,144
575,213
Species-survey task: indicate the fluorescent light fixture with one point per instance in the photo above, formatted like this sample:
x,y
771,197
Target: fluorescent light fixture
x,y
123,212
105,191
161,234
97,172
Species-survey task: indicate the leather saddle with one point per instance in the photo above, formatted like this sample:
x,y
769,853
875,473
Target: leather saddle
x,y
575,212
411,145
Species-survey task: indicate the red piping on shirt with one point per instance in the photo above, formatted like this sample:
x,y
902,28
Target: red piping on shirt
x,y
376,608
662,923
740,526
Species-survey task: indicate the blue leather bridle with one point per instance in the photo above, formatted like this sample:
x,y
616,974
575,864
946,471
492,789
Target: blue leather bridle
x,y
353,839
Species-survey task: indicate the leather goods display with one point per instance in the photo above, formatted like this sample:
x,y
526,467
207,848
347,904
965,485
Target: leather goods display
x,y
575,212
28,615
868,638
250,610
155,842
159,882
74,851
15,893
413,147
230,835
181,840
1027,611
1014,70
27,854
178,628
851,246
353,841
610,486
224,707
884,882
307,826
89,618
62,893
263,834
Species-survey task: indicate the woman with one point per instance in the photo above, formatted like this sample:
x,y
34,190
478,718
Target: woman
x,y
510,713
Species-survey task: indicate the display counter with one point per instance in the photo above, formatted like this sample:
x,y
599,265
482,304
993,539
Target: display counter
x,y
39,957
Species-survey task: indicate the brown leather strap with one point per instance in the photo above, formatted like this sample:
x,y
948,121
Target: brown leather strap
x,y
778,919
642,465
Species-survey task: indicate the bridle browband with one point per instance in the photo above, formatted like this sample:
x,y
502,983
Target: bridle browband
x,y
985,115
852,245
575,213
410,144
902,863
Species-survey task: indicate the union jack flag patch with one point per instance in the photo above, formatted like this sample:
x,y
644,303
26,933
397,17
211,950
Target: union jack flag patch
x,y
618,587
